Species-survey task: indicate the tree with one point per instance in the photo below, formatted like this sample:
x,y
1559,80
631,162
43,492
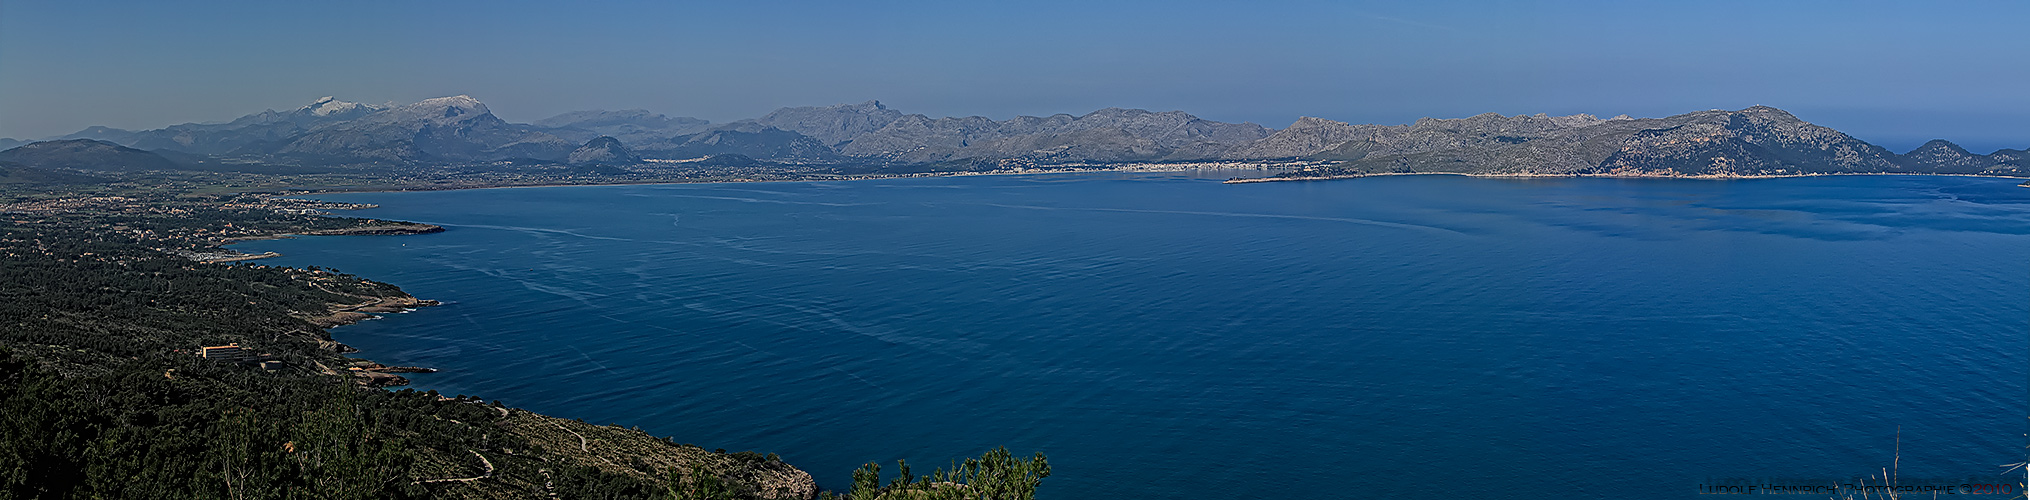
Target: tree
x,y
996,475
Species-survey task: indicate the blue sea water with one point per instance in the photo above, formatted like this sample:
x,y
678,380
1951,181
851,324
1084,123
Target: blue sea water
x,y
1168,336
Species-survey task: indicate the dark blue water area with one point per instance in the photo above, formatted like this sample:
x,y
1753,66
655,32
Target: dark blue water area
x,y
1169,336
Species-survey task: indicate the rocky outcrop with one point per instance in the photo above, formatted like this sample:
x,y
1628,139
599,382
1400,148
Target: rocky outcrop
x,y
1757,141
602,151
1942,156
1307,136
627,452
346,314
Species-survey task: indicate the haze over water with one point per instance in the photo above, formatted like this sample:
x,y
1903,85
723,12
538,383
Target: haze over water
x,y
1167,336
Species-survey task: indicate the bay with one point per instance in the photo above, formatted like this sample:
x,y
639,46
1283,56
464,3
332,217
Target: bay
x,y
1162,335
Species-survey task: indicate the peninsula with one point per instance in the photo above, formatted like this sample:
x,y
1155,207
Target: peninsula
x,y
117,271
457,142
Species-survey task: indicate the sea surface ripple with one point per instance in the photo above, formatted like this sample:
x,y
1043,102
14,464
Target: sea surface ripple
x,y
1167,336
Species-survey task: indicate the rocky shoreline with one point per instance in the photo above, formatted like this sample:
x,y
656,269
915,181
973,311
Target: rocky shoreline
x,y
597,446
346,314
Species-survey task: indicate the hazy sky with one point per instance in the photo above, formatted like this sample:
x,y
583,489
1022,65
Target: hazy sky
x,y
1891,73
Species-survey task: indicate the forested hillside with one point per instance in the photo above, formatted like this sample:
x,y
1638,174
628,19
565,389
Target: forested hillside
x,y
107,294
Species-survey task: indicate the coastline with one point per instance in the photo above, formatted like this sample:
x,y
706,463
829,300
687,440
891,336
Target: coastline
x,y
1091,168
368,374
1071,168
611,449
394,228
343,314
1256,180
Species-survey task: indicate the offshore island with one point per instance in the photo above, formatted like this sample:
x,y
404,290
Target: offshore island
x,y
124,299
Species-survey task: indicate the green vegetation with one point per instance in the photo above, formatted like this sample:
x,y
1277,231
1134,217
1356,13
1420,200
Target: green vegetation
x,y
997,475
103,395
105,297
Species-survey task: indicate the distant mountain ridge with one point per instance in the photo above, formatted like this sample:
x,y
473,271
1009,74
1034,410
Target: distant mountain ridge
x,y
602,150
456,128
632,126
871,130
251,134
1757,141
85,154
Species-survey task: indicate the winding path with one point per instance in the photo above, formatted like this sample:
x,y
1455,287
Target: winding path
x,y
482,460
582,446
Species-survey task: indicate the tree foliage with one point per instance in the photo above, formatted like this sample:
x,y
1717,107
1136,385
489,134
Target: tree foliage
x,y
996,475
102,395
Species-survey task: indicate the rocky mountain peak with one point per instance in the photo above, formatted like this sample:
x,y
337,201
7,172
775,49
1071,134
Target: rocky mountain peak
x,y
1312,122
454,105
1305,136
1770,113
328,106
1940,146
832,125
602,150
1944,156
437,111
1496,122
1113,112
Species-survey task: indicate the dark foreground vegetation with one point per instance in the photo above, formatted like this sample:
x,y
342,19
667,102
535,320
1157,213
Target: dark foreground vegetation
x,y
107,292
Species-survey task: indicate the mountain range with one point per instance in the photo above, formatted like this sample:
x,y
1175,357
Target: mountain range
x,y
1755,141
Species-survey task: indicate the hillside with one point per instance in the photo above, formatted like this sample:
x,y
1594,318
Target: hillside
x,y
86,154
869,138
1753,142
104,392
872,131
15,173
109,299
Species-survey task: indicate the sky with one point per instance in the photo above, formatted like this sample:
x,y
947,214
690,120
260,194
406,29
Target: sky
x,y
1895,74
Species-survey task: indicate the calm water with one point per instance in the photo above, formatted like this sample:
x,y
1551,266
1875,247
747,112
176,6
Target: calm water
x,y
1167,336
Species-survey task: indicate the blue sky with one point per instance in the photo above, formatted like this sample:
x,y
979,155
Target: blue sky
x,y
1891,73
